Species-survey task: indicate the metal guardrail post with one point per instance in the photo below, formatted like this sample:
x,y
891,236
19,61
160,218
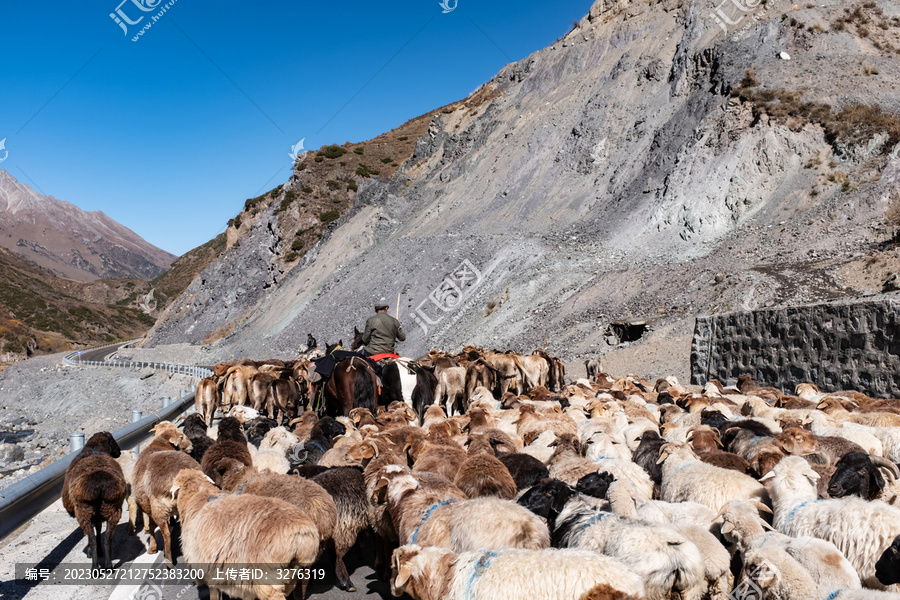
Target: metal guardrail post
x,y
76,442
136,415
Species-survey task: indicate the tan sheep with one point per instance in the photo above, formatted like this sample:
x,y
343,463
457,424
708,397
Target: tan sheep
x,y
271,532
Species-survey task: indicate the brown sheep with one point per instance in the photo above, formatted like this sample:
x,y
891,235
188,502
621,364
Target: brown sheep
x,y
482,474
230,444
93,492
306,495
273,532
706,444
443,459
432,512
156,468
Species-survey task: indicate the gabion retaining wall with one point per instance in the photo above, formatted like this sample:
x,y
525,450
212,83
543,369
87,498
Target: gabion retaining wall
x,y
840,345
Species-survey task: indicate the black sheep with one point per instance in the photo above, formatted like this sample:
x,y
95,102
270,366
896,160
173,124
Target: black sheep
x,y
594,484
320,441
194,428
887,569
646,455
547,499
256,429
859,474
525,469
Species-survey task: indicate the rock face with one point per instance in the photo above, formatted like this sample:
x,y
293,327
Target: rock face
x,y
837,346
612,176
68,242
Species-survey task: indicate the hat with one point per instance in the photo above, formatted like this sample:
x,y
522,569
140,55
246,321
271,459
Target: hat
x,y
381,303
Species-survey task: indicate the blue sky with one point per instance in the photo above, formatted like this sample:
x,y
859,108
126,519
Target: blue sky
x,y
170,134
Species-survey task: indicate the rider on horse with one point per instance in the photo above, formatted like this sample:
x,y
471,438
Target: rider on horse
x,y
377,342
381,331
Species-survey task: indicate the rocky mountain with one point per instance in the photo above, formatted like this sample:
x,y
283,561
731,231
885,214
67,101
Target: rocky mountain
x,y
68,242
661,160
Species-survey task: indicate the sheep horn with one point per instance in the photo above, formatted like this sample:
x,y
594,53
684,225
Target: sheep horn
x,y
891,467
761,507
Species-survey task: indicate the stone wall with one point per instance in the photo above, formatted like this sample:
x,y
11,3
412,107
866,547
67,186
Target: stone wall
x,y
841,345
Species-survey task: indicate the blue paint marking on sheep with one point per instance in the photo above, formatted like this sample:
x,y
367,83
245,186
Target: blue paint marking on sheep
x,y
593,521
834,594
240,489
433,508
790,515
480,567
682,468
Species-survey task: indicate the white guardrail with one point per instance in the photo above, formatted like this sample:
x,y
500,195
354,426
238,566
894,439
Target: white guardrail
x,y
21,501
74,359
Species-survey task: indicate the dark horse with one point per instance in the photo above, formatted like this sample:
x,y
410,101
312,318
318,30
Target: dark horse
x,y
353,384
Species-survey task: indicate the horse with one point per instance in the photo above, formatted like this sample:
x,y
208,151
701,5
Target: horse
x,y
353,384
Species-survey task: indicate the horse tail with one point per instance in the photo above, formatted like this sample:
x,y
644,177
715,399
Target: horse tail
x,y
364,389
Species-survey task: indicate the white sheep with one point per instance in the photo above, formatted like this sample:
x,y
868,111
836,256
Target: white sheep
x,y
779,576
686,477
433,573
667,561
742,526
691,519
860,529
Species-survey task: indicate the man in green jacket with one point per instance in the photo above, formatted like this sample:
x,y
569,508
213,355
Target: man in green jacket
x,y
382,330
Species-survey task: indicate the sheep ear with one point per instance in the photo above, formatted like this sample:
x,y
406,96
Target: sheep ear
x,y
175,493
403,575
727,527
767,476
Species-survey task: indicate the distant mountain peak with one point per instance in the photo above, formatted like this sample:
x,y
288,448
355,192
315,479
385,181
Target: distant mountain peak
x,y
69,242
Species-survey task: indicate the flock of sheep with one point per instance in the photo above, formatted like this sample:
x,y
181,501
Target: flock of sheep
x,y
602,489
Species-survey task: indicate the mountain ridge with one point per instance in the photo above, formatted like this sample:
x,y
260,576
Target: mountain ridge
x,y
61,238
620,174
